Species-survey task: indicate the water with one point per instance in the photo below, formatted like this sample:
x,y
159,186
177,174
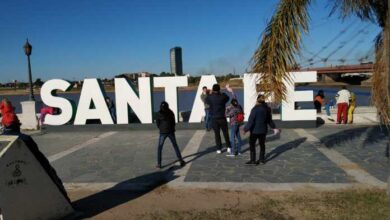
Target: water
x,y
186,98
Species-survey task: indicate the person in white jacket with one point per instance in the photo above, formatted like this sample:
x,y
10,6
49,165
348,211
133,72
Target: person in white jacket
x,y
342,97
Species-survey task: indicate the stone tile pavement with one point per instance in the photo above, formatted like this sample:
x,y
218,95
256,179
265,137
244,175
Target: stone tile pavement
x,y
130,157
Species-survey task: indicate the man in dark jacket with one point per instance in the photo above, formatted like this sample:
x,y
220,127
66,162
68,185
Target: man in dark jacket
x,y
165,121
217,102
259,119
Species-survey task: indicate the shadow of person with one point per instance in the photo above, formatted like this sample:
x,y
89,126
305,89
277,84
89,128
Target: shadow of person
x,y
283,148
122,192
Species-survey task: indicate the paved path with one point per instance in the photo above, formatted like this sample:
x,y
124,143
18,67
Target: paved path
x,y
328,157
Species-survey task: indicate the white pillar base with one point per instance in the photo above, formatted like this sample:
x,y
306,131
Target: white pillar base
x,y
28,118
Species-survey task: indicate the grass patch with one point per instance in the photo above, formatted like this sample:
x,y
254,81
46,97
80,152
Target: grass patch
x,y
348,204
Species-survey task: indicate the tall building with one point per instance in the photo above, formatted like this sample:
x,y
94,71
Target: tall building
x,y
176,61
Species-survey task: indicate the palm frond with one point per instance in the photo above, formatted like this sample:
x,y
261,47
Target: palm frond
x,y
380,95
281,41
372,10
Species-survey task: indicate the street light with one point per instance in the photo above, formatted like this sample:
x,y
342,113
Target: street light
x,y
27,50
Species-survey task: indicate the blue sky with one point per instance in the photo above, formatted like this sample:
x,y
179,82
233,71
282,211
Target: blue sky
x,y
76,39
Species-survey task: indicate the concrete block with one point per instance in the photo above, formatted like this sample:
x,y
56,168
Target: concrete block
x,y
28,118
26,190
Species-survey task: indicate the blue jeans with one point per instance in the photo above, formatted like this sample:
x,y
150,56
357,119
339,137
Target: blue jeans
x,y
235,134
161,141
207,119
113,114
327,109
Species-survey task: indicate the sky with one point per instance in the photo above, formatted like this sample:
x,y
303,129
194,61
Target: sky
x,y
77,39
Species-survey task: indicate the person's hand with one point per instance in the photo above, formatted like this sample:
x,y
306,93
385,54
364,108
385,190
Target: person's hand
x,y
276,131
228,88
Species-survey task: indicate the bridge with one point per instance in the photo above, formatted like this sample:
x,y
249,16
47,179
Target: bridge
x,y
353,74
357,68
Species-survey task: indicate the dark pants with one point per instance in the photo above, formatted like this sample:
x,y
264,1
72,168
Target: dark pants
x,y
252,146
218,125
161,141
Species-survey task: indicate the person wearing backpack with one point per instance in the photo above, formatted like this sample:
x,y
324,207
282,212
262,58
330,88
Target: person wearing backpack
x,y
235,114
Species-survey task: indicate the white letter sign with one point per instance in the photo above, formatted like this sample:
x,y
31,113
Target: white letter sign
x,y
92,92
170,85
288,106
48,97
141,104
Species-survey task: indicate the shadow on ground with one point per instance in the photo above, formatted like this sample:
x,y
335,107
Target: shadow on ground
x,y
283,148
95,204
214,148
370,134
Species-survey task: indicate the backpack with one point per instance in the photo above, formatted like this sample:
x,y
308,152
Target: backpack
x,y
240,117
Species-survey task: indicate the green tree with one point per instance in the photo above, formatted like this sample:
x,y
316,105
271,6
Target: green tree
x,y
282,38
38,82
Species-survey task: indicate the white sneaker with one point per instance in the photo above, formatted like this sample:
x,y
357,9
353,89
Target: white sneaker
x,y
230,155
219,151
229,150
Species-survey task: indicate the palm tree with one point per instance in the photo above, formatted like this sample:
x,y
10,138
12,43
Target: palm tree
x,y
281,43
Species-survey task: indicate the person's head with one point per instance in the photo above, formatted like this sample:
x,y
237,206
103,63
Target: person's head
x,y
5,101
216,88
234,102
204,89
164,106
260,99
343,87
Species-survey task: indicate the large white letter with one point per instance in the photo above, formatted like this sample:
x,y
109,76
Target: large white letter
x,y
125,96
48,97
288,106
250,92
92,91
170,84
198,108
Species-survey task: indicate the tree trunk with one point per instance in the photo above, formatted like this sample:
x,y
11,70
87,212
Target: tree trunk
x,y
386,51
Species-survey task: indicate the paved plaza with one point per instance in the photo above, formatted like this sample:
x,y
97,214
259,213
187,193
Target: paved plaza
x,y
329,157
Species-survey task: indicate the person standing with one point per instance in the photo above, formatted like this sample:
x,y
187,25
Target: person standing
x,y
165,121
319,101
235,114
207,117
111,108
259,119
351,108
342,97
217,102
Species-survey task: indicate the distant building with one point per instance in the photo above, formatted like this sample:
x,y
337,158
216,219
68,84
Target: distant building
x,y
176,61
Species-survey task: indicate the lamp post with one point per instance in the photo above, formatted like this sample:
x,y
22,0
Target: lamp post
x,y
27,50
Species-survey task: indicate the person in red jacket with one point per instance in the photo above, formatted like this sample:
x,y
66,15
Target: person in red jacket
x,y
7,111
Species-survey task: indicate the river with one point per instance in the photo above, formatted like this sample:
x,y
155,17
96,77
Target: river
x,y
186,97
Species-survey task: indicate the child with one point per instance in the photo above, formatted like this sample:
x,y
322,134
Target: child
x,y
165,121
